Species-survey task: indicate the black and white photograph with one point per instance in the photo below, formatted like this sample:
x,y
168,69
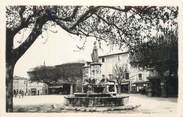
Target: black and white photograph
x,y
103,59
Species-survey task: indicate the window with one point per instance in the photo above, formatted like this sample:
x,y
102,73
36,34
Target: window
x,y
103,60
140,76
111,88
127,75
93,71
110,76
86,70
118,58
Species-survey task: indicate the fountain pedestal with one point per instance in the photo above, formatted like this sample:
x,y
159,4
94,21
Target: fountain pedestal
x,y
106,98
95,100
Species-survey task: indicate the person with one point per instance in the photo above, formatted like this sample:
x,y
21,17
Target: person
x,y
22,93
19,93
14,93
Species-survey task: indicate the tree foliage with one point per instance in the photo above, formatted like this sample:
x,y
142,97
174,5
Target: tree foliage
x,y
160,53
120,74
159,50
66,73
127,25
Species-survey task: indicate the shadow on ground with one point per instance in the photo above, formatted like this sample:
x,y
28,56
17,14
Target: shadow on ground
x,y
59,108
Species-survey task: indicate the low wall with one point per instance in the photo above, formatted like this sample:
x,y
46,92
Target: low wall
x,y
96,101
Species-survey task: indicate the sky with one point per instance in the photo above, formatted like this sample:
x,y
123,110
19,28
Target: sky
x,y
55,48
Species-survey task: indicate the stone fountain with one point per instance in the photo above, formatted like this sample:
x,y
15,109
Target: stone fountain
x,y
97,91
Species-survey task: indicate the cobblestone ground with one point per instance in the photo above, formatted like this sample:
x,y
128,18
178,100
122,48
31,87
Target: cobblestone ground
x,y
55,103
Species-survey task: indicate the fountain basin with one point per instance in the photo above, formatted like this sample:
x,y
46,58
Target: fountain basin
x,y
96,100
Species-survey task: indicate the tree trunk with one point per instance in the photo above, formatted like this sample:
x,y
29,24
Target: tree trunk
x,y
9,86
119,88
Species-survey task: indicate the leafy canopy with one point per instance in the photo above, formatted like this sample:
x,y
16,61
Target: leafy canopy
x,y
118,25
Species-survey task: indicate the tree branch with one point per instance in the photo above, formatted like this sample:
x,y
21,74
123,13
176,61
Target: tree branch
x,y
22,9
66,19
81,19
126,9
64,27
37,30
118,29
73,15
25,22
85,16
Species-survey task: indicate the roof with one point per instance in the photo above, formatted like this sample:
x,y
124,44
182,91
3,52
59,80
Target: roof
x,y
38,67
74,62
113,54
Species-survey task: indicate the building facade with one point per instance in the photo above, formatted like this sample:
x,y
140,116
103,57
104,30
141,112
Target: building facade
x,y
20,83
164,86
37,88
135,80
108,62
29,88
61,79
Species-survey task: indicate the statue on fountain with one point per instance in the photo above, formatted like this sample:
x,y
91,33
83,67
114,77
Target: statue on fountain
x,y
94,54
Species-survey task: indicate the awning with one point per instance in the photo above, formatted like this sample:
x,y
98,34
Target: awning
x,y
153,77
60,86
125,83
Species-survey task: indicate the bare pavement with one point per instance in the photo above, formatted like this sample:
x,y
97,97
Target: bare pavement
x,y
55,103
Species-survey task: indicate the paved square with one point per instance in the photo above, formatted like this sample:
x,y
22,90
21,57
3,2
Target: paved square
x,y
148,105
